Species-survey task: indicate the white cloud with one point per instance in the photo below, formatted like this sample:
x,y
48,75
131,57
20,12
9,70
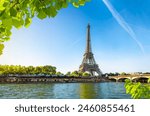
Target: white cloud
x,y
123,23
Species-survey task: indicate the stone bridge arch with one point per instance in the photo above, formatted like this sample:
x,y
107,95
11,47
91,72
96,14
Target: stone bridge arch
x,y
143,79
122,79
114,79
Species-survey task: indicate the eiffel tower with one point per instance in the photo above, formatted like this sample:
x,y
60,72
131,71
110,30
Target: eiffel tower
x,y
88,63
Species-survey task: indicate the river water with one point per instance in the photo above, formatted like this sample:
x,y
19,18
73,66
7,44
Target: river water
x,y
107,90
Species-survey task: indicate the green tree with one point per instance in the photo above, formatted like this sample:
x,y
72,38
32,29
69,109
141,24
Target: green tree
x,y
85,74
46,69
68,73
75,74
19,13
59,73
123,73
138,90
30,70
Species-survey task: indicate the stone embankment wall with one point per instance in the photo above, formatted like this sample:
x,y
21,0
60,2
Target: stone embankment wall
x,y
51,79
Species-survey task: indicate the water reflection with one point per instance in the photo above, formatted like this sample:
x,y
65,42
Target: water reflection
x,y
87,91
103,91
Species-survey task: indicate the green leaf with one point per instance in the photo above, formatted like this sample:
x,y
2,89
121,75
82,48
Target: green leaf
x,y
17,22
82,3
13,12
7,38
28,21
65,5
1,5
50,11
2,29
149,80
2,8
75,4
7,32
41,14
1,48
6,2
53,12
7,23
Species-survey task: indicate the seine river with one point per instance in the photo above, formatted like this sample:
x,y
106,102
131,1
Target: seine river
x,y
107,90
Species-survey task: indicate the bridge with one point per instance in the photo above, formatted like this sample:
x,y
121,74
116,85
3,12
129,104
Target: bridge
x,y
133,78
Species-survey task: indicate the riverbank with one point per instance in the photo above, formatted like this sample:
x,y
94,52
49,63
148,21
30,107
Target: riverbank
x,y
44,79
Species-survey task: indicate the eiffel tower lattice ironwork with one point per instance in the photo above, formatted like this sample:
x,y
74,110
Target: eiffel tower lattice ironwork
x,y
88,63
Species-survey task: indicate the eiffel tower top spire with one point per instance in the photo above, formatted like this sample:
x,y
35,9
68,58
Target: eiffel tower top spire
x,y
88,44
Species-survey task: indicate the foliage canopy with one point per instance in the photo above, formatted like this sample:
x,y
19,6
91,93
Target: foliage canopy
x,y
27,70
138,90
19,13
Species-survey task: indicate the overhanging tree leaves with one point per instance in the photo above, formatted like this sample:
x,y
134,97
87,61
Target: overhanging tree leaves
x,y
18,13
138,90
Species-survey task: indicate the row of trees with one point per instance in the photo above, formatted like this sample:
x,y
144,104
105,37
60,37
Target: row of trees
x,y
47,70
26,70
42,70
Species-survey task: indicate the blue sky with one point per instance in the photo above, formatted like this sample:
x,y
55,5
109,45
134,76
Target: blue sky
x,y
60,41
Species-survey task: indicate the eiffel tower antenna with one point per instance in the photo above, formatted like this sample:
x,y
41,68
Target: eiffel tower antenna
x,y
88,63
